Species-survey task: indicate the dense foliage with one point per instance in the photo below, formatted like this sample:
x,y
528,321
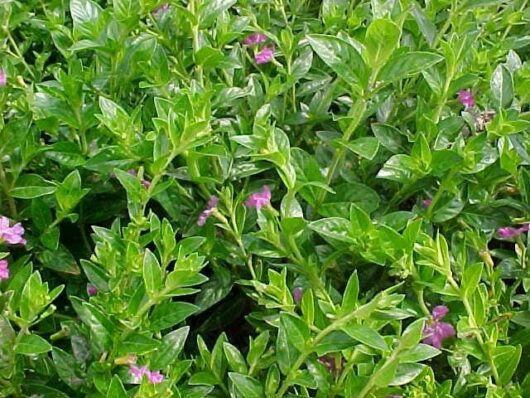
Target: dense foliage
x,y
264,198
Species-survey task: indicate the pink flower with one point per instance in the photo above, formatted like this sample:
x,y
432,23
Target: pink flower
x,y
427,202
466,98
436,331
206,213
259,199
3,78
297,294
155,377
12,235
4,270
439,312
254,38
91,290
510,232
265,55
138,373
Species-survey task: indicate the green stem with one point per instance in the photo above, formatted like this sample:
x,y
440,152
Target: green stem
x,y
356,112
477,330
336,325
7,189
443,186
17,51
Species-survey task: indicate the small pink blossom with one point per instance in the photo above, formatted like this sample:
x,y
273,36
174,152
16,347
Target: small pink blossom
x,y
265,55
91,290
155,377
259,199
12,235
4,270
427,202
466,98
510,232
254,38
436,331
138,373
206,213
297,294
3,78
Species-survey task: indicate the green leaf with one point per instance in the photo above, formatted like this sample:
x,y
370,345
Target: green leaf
x,y
66,367
70,192
235,358
366,335
405,373
351,294
389,137
212,9
100,327
170,348
169,314
398,168
125,9
302,64
382,38
257,348
137,344
308,307
85,14
152,274
41,215
116,389
31,344
421,352
427,27
502,86
286,354
31,186
365,147
471,279
297,331
407,65
506,360
334,228
412,335
247,386
340,56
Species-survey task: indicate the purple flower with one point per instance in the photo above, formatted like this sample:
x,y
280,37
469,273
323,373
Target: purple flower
x,y
510,232
265,55
254,38
436,331
427,202
155,377
91,290
4,270
12,235
297,294
439,312
259,199
138,373
3,78
206,213
466,98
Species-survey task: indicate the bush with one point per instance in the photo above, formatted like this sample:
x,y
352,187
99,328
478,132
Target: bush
x,y
264,198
